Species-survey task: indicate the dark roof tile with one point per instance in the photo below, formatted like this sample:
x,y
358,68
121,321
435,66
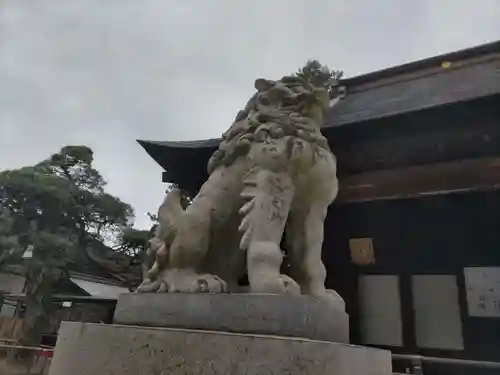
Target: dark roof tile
x,y
447,86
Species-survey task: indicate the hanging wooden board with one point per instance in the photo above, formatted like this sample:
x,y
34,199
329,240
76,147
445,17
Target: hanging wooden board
x,y
362,251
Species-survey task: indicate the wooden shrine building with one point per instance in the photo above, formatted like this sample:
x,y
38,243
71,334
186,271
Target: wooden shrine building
x,y
413,241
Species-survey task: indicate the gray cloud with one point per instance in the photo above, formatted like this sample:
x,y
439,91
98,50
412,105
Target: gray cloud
x,y
105,73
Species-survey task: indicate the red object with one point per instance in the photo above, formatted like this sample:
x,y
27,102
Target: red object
x,y
49,353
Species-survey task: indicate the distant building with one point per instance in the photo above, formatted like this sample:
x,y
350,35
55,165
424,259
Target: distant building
x,y
412,242
83,297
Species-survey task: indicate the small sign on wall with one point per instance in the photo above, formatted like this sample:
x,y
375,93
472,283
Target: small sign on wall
x,y
483,291
362,251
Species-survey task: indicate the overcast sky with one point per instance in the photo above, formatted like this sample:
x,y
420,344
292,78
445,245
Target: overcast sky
x,y
107,72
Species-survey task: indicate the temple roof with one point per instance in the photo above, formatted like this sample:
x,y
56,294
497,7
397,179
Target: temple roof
x,y
446,79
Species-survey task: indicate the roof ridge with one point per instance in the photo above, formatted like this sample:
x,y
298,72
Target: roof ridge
x,y
424,63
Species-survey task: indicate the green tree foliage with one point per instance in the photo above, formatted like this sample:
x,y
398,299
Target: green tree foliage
x,y
10,249
320,75
134,243
60,209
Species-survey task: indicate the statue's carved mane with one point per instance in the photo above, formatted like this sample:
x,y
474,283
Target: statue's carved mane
x,y
272,168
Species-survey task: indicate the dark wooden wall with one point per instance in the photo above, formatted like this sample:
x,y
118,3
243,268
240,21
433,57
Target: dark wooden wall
x,y
440,134
432,235
446,133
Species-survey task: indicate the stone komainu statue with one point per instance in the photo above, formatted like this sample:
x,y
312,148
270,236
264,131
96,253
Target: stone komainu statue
x,y
272,175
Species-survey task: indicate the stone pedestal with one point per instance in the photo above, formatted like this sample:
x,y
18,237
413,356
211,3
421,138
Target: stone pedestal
x,y
242,334
280,315
93,349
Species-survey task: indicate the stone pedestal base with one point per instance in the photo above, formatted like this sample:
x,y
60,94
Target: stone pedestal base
x,y
95,349
269,314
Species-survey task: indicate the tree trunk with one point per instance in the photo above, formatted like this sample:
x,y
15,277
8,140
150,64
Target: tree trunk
x,y
38,307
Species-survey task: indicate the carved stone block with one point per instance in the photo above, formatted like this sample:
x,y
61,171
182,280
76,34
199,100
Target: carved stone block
x,y
281,315
94,349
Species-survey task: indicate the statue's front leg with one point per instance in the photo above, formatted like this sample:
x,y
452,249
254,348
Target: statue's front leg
x,y
305,241
269,195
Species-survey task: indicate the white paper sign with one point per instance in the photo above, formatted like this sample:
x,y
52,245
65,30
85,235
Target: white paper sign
x,y
483,291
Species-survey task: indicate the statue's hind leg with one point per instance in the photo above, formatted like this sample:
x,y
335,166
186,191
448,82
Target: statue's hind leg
x,y
217,199
186,253
269,195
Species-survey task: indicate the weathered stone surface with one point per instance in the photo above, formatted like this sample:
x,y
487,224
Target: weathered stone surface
x,y
93,349
273,176
282,315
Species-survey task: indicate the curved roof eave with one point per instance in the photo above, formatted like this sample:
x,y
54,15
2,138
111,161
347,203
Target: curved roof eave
x,y
380,99
425,63
212,142
400,95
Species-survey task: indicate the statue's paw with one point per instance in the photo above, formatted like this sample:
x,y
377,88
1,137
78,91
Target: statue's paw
x,y
282,284
204,283
290,285
148,286
183,281
332,296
